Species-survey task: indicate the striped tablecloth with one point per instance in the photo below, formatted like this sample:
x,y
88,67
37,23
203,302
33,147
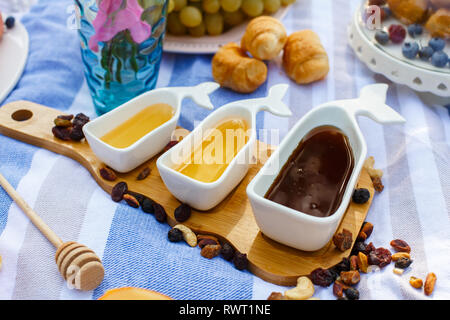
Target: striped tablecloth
x,y
414,206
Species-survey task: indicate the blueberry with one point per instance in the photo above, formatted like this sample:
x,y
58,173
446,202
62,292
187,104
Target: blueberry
x,y
361,195
10,22
382,37
425,53
410,49
437,44
415,30
439,59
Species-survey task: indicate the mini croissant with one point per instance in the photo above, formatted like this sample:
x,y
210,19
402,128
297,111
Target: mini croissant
x,y
264,38
305,59
233,68
439,23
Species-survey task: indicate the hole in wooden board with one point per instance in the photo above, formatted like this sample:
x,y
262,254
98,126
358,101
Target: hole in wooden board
x,y
442,87
417,81
22,115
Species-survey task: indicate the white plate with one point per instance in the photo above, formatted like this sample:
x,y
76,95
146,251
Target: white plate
x,y
210,44
13,57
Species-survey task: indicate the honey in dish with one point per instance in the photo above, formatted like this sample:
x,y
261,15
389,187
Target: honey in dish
x,y
139,125
209,160
315,177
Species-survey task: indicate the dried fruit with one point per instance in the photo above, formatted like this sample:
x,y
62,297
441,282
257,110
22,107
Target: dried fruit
x,y
351,293
147,205
160,212
204,240
403,263
338,289
398,271
363,262
170,145
354,263
227,252
415,282
144,173
118,191
77,133
62,122
399,255
188,235
108,174
182,213
430,281
67,117
62,133
344,265
369,248
240,260
175,235
343,240
380,257
131,201
139,197
358,247
400,246
367,228
276,296
350,277
80,120
375,174
361,196
377,184
210,251
322,277
304,290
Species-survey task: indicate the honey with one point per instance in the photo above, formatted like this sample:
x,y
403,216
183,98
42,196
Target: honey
x,y
139,125
218,148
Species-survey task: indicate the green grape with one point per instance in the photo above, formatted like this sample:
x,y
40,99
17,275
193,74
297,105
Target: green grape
x,y
179,4
272,6
174,24
253,8
211,6
170,6
287,2
198,31
190,16
230,5
214,23
233,18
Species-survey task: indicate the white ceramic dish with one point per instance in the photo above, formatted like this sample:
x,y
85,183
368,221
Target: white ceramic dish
x,y
204,196
127,159
292,227
13,57
210,44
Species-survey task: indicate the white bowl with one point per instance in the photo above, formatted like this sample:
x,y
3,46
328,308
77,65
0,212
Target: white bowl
x,y
298,229
204,196
127,159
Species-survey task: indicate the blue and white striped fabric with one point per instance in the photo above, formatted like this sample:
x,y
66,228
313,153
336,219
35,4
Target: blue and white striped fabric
x,y
415,157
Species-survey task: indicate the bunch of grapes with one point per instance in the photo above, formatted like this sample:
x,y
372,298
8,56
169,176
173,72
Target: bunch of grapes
x,y
213,17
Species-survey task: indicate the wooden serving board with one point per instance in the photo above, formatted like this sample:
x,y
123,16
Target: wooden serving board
x,y
232,220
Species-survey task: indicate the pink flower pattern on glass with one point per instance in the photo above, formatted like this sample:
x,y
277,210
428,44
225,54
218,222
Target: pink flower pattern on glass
x,y
114,17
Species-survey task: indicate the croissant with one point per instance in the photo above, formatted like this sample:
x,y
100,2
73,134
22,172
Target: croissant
x,y
305,59
409,11
264,38
439,23
1,26
233,68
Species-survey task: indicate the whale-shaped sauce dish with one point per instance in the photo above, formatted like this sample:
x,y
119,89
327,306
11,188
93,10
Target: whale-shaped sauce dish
x,y
152,140
203,184
299,158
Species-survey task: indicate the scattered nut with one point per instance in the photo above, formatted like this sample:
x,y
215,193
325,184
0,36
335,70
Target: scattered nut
x,y
210,251
415,282
430,281
373,173
343,240
400,246
276,296
303,290
182,213
131,201
118,191
350,277
108,174
399,255
363,263
398,271
144,173
338,289
188,235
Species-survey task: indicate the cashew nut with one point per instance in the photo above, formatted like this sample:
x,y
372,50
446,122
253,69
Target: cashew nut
x,y
304,290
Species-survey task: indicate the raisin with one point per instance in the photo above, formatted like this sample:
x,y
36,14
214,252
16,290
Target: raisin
x,y
350,277
62,133
351,293
354,262
276,296
108,174
139,197
338,289
322,277
343,240
344,265
361,196
80,120
240,260
182,213
367,228
160,213
400,246
380,257
131,201
170,145
118,191
369,248
227,252
67,117
144,173
358,247
210,251
377,184
77,133
205,242
147,205
403,263
62,122
175,235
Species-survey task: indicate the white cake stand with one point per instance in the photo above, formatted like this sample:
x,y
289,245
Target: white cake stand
x,y
388,60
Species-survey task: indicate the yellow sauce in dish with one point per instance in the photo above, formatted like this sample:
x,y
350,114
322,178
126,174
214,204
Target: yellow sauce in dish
x,y
218,148
139,125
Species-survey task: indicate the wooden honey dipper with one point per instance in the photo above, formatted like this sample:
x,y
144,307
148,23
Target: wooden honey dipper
x,y
78,264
